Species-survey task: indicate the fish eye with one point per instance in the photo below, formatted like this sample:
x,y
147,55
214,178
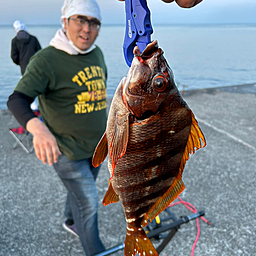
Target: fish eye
x,y
159,83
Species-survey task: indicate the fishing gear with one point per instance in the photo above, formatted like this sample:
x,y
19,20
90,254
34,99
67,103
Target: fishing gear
x,y
138,28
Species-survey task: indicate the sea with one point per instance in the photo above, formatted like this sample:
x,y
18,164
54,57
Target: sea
x,y
201,56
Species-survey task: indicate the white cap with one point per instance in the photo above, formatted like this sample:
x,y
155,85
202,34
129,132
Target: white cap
x,y
18,25
80,7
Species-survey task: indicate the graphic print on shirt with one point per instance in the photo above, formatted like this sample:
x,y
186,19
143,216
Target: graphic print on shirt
x,y
94,96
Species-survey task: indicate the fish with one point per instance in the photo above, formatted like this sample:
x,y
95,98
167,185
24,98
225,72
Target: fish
x,y
150,134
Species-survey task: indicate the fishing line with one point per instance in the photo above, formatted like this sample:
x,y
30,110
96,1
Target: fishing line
x,y
193,209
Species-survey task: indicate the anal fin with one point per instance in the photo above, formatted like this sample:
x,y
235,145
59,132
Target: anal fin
x,y
110,196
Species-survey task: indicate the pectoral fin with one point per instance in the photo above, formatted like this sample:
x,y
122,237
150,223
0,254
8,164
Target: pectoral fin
x,y
111,196
119,140
100,152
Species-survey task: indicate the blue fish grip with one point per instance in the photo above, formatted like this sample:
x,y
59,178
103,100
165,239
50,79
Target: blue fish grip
x,y
138,28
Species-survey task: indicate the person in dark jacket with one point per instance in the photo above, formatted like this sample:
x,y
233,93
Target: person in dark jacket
x,y
24,46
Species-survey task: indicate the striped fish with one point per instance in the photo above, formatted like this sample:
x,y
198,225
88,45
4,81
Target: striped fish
x,y
150,133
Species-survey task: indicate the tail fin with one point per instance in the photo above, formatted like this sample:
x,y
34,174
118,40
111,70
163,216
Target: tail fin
x,y
137,242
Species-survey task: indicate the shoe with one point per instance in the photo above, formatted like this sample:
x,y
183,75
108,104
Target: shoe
x,y
70,228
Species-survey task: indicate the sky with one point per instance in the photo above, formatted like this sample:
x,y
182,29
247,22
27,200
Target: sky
x,y
47,12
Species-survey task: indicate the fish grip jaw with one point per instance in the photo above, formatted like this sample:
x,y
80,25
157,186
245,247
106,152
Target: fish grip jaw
x,y
138,28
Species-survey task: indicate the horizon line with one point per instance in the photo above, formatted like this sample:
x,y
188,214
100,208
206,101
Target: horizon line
x,y
161,24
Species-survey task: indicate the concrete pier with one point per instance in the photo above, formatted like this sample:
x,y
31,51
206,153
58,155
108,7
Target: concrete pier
x,y
220,179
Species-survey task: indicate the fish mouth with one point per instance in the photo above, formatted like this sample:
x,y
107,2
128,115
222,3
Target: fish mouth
x,y
148,52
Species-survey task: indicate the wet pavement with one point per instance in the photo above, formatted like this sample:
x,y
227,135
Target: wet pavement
x,y
220,179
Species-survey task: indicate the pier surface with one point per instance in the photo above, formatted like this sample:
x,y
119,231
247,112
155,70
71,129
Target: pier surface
x,y
220,179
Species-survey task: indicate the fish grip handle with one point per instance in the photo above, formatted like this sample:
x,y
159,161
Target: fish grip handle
x,y
138,28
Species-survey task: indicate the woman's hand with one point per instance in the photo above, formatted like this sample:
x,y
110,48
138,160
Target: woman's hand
x,y
182,3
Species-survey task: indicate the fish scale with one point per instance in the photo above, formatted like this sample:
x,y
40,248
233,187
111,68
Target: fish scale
x,y
150,133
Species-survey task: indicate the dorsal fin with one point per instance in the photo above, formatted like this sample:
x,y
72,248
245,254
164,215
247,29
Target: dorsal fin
x,y
195,141
169,196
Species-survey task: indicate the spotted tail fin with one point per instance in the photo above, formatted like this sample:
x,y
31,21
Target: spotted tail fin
x,y
137,243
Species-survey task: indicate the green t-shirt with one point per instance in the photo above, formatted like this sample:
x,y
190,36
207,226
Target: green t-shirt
x,y
72,97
